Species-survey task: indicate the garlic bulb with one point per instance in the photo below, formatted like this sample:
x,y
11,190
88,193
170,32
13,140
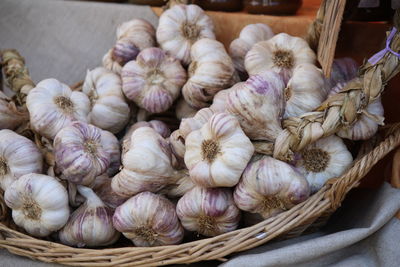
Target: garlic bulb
x,y
305,91
132,37
326,158
52,106
343,70
282,53
180,27
102,188
39,204
179,185
111,145
208,211
91,224
149,220
220,99
109,110
270,186
83,152
18,156
211,70
177,145
196,122
184,110
249,36
367,125
258,105
154,80
217,154
10,116
146,165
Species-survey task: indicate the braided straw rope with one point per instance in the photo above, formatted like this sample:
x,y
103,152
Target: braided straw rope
x,y
336,112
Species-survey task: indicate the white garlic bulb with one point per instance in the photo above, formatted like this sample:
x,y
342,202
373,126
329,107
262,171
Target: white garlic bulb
x,y
180,27
211,70
39,204
52,106
18,156
184,110
196,122
326,158
282,53
109,110
154,80
270,186
149,220
208,211
258,104
132,37
249,36
10,116
146,165
83,152
305,91
217,154
91,224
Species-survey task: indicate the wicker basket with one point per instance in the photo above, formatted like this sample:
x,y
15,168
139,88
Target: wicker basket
x,y
299,132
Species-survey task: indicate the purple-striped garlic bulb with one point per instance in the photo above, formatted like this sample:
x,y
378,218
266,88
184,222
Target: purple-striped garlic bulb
x,y
211,71
149,220
189,125
270,186
178,185
282,53
154,80
18,156
52,106
91,224
249,36
217,154
102,188
109,110
220,99
343,70
10,116
180,27
83,152
132,37
258,104
208,211
184,110
146,165
112,145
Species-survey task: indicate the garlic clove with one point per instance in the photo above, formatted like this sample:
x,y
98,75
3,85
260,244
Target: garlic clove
x,y
154,80
83,152
184,110
91,224
258,104
52,106
208,211
270,186
326,158
10,116
177,145
217,154
181,26
109,110
149,220
191,124
18,156
39,204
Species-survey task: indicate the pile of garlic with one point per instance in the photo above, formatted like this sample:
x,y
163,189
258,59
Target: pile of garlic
x,y
154,185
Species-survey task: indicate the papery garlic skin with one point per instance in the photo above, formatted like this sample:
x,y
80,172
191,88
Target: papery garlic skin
x,y
282,53
18,156
81,152
52,106
270,186
211,70
109,110
132,37
258,104
249,36
180,27
184,110
305,91
326,158
367,125
177,145
39,204
102,188
10,116
149,220
217,154
146,165
208,211
154,80
91,224
111,144
196,122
